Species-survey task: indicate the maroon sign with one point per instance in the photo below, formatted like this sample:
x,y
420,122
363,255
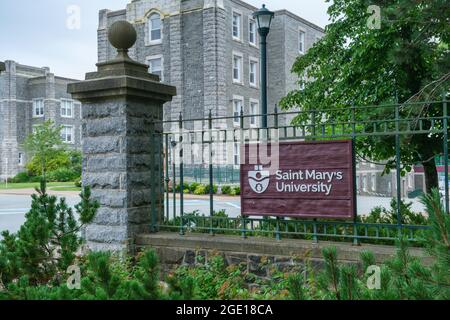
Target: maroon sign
x,y
311,180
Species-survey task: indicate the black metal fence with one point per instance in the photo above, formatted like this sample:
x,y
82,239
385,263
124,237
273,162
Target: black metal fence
x,y
200,155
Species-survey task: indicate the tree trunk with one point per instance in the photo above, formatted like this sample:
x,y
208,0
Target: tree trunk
x,y
431,175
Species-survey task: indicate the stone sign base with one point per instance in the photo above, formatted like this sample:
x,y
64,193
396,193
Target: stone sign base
x,y
258,255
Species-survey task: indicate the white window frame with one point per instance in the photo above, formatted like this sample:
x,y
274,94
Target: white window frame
x,y
40,115
64,138
373,184
21,159
251,61
254,115
250,21
148,28
302,49
72,108
364,183
241,67
156,57
233,13
237,112
410,180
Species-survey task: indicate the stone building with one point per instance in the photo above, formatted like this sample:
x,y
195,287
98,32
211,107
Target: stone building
x,y
209,50
370,181
28,97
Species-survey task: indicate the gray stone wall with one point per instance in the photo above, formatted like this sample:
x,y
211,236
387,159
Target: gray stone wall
x,y
19,86
260,256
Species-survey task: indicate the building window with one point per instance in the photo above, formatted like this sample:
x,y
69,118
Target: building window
x,y
357,183
373,182
253,77
38,108
155,66
67,134
252,32
154,25
236,155
20,158
301,41
238,105
364,183
237,68
66,108
254,112
410,181
237,22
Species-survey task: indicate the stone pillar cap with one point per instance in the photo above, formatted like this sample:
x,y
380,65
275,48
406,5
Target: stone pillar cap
x,y
121,75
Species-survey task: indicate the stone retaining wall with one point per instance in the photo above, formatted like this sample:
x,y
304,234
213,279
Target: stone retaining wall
x,y
260,256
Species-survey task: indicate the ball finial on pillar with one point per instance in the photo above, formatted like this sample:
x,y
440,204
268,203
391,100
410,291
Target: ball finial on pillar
x,y
122,36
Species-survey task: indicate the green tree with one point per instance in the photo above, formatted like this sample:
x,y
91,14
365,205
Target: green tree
x,y
47,242
45,145
407,58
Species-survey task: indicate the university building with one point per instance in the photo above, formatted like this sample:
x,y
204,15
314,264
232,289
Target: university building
x,y
28,97
209,50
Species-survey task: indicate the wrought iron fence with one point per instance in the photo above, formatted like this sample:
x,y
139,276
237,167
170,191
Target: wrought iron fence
x,y
207,136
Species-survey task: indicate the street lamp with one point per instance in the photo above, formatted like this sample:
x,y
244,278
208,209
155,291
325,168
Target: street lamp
x,y
264,20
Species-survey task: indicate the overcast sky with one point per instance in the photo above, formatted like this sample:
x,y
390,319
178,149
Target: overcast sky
x,y
35,32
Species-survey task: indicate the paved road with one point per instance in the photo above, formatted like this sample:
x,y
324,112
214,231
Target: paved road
x,y
14,207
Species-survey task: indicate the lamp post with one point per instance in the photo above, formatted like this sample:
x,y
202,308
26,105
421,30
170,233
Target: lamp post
x,y
263,19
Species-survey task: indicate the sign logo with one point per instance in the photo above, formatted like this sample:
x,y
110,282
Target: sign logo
x,y
259,179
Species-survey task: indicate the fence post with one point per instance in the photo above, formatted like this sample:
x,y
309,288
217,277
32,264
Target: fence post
x,y
180,126
167,176
153,179
173,145
122,110
445,113
242,142
211,178
355,202
398,164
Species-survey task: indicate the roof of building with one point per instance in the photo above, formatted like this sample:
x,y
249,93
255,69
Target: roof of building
x,y
243,4
282,12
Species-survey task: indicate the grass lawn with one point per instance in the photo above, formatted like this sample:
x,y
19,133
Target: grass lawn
x,y
65,186
68,188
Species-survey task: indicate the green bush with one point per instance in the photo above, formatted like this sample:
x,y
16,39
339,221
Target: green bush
x,y
193,186
215,188
78,183
389,215
235,191
185,186
62,175
21,177
226,189
201,189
